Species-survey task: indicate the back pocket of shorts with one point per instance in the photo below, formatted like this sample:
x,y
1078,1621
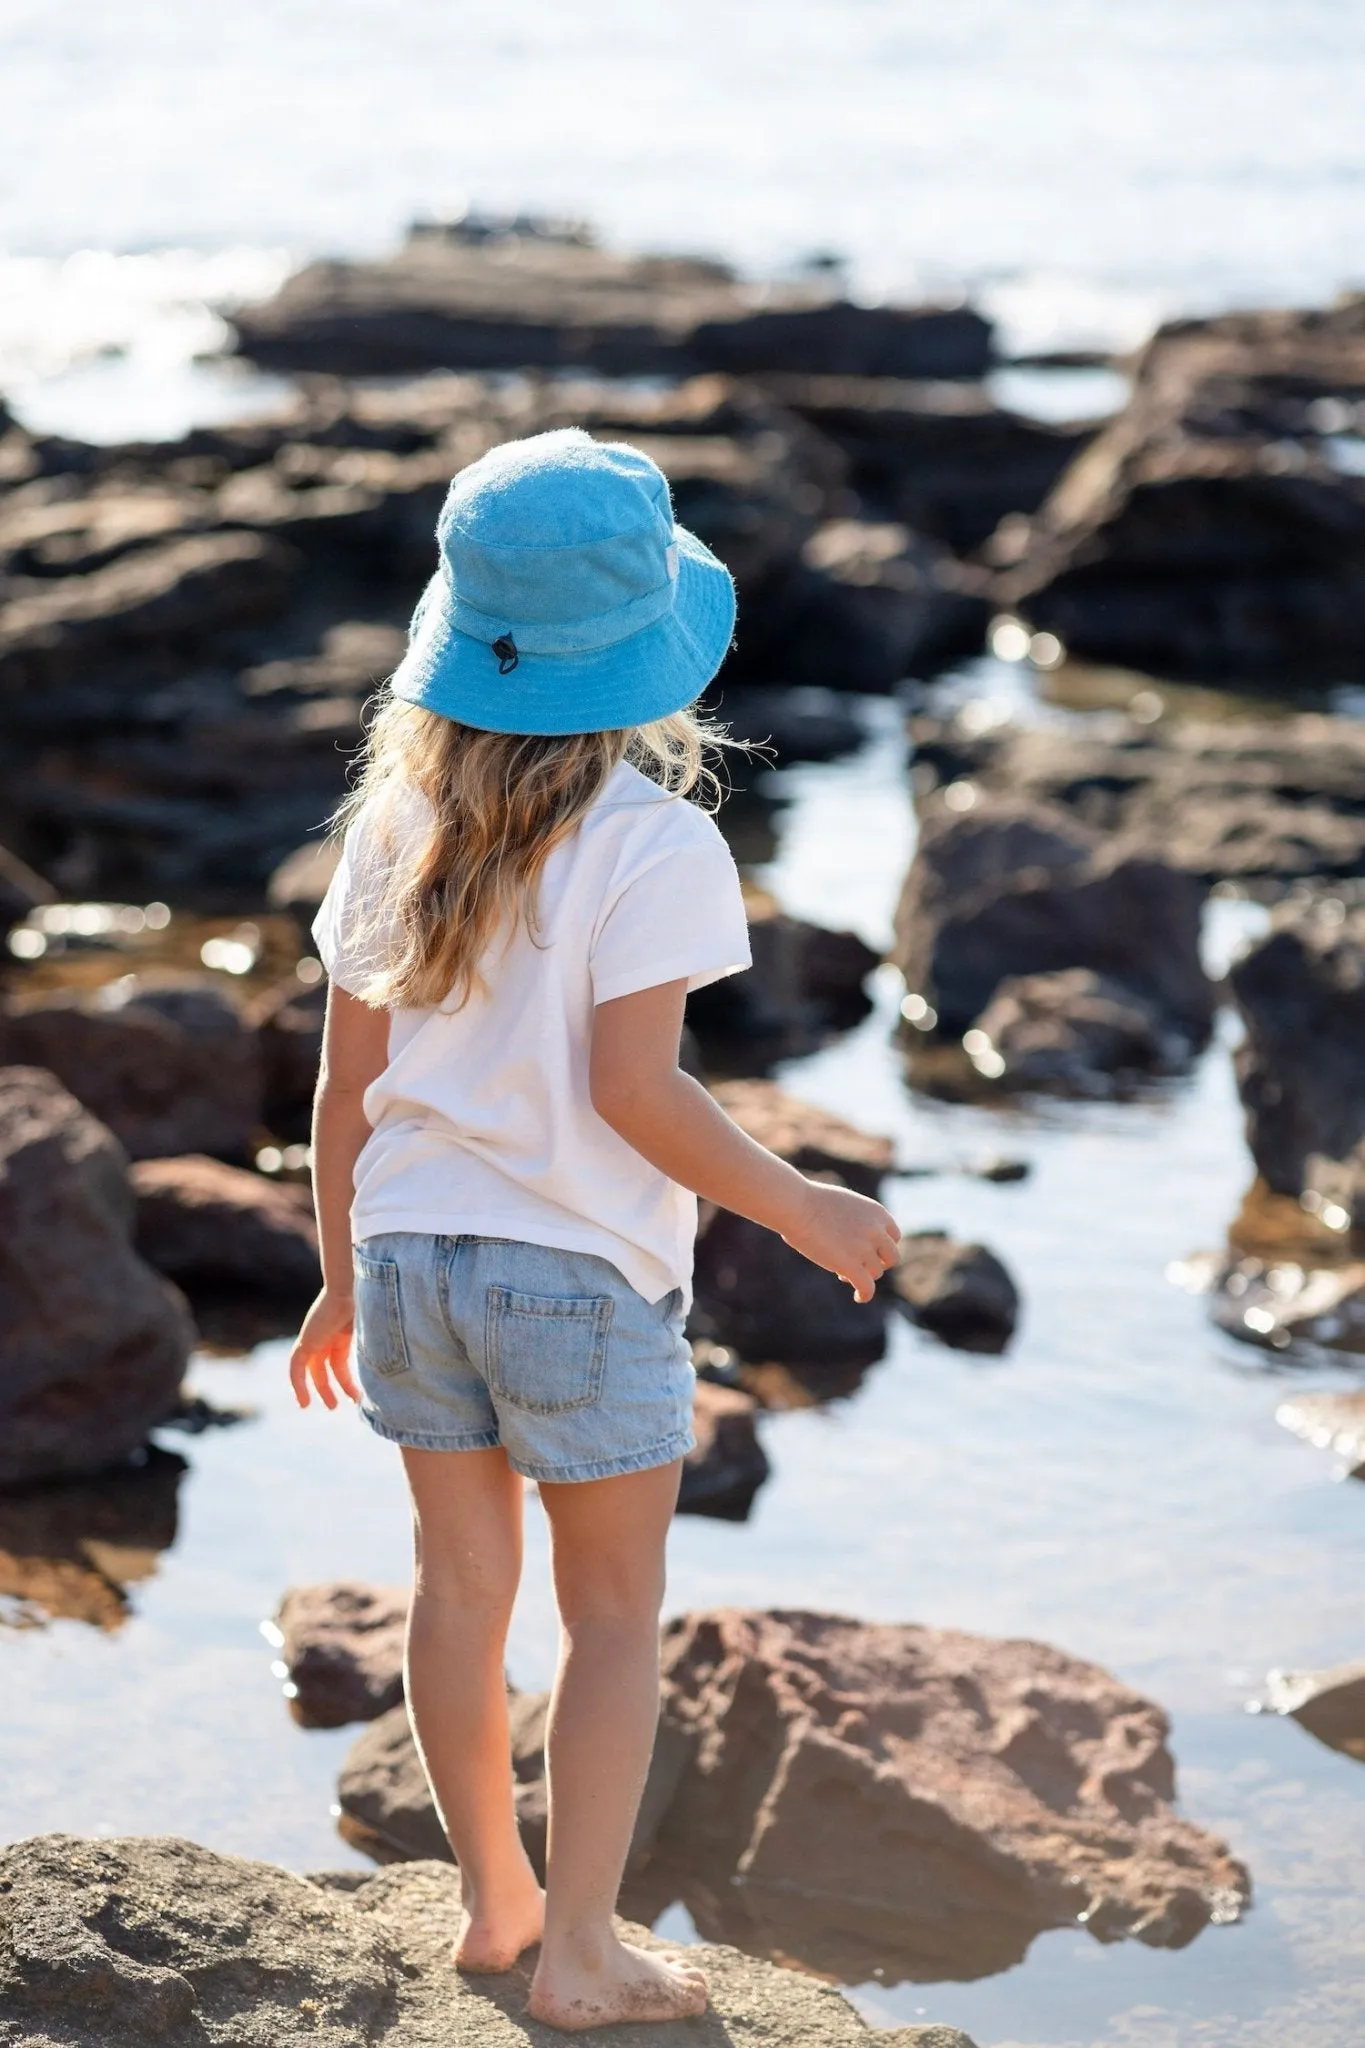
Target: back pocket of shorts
x,y
547,1353
379,1340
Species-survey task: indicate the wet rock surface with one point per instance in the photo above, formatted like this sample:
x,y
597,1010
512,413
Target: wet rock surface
x,y
1211,528
960,1293
1004,888
138,1940
213,1227
1329,1704
1243,800
724,1471
95,1342
1300,1067
922,1803
169,1066
343,1650
1072,1033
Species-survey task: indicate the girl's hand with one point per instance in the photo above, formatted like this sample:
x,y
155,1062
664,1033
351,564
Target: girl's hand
x,y
845,1233
323,1351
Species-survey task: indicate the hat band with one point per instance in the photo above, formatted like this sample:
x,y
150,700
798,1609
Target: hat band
x,y
565,636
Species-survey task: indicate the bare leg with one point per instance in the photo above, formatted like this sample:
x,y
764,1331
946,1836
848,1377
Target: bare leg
x,y
608,1551
468,1534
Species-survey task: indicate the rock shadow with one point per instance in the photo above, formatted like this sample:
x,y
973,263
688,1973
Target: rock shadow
x,y
71,1551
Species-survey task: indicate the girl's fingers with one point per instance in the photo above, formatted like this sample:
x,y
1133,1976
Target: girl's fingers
x,y
317,1368
298,1376
341,1369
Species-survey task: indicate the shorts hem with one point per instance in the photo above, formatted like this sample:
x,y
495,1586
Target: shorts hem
x,y
428,1440
664,1452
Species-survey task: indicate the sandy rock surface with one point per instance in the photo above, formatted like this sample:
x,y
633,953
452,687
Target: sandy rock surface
x,y
1329,1704
147,1940
921,1801
94,1342
812,1139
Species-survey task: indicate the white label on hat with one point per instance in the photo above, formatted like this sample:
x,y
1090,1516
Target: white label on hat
x,y
671,560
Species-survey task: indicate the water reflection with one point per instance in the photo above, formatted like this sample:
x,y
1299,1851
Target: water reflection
x,y
71,1552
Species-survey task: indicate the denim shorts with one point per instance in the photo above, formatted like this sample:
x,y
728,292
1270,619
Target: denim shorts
x,y
465,1343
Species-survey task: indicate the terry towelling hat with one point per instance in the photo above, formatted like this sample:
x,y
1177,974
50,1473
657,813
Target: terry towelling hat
x,y
567,599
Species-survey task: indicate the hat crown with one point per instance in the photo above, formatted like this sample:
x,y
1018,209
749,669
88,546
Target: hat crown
x,y
558,535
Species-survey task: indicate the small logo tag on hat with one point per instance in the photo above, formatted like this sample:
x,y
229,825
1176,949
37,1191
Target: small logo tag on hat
x,y
671,561
505,647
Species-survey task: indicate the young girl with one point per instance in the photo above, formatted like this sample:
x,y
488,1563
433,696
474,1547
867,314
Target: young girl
x,y
522,904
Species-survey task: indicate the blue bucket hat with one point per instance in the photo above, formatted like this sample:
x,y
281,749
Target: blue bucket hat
x,y
567,599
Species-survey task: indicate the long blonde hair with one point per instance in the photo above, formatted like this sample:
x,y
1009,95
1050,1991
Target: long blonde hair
x,y
500,803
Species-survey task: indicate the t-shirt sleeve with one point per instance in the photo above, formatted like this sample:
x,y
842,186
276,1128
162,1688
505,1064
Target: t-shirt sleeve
x,y
344,932
677,914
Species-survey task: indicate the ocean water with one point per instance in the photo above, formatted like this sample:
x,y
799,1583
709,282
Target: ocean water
x,y
1081,166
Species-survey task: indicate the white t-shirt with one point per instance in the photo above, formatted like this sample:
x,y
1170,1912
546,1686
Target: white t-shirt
x,y
483,1122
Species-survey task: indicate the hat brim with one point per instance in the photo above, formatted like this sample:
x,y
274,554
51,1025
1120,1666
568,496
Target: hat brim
x,y
652,673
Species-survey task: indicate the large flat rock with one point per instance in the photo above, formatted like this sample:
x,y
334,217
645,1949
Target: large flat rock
x,y
126,1943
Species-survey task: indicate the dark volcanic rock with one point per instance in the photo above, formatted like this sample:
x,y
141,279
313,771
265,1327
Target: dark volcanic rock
x,y
1074,1032
95,1342
919,1803
805,985
1239,800
209,1226
535,301
125,1943
170,1067
1301,1065
766,1303
724,1471
942,457
289,1021
1212,529
959,1292
1007,888
343,1649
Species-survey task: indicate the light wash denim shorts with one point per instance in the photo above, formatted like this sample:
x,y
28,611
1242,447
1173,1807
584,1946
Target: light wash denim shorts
x,y
465,1343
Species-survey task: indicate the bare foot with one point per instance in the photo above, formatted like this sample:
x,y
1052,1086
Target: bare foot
x,y
623,1983
492,1937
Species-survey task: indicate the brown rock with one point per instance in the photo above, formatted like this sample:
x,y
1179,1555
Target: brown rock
x,y
177,594
1301,1064
289,1023
1073,1032
767,1303
1238,800
209,1226
812,1139
343,1649
1332,1422
1329,1704
170,1067
95,1342
1209,531
1002,888
805,986
159,1940
386,1803
922,1802
725,1470
535,300
959,1292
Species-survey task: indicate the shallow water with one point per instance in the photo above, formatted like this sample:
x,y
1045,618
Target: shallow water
x,y
1116,1485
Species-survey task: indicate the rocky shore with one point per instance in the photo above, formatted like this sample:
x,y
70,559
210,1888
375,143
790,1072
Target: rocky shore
x,y
189,635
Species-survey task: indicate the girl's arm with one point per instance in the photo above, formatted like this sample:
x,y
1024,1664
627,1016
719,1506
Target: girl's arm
x,y
638,1088
355,1043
